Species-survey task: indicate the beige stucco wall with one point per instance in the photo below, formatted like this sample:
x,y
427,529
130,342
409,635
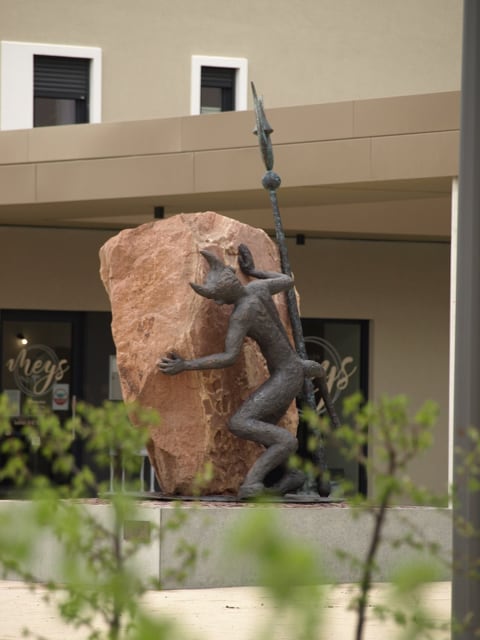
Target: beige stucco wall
x,y
401,287
51,269
371,167
304,52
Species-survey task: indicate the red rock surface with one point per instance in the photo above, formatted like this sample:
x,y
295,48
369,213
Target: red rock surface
x,y
146,272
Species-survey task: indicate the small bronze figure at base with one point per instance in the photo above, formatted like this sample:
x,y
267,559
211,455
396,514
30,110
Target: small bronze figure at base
x,y
255,315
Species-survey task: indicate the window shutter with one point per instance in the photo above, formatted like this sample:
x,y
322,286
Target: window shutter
x,y
221,77
61,77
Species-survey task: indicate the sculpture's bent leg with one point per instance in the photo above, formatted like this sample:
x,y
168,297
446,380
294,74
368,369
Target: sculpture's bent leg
x,y
280,445
256,420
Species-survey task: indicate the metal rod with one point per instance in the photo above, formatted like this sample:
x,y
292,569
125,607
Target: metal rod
x,y
466,549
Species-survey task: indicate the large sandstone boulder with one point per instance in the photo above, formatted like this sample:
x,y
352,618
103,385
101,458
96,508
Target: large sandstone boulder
x,y
146,272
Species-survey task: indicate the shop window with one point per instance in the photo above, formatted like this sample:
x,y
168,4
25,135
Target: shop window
x,y
37,364
218,84
60,90
42,84
53,358
341,346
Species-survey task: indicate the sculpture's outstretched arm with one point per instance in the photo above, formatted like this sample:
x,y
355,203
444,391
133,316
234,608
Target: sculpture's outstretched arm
x,y
172,363
276,281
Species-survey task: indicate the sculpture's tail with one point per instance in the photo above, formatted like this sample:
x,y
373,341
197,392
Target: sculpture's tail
x,y
315,370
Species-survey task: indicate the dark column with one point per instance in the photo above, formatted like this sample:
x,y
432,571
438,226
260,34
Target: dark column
x,y
466,550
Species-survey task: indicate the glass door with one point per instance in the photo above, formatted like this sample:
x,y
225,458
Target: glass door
x,y
39,360
40,365
341,346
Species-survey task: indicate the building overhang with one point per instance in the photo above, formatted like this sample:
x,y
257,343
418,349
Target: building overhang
x,y
378,167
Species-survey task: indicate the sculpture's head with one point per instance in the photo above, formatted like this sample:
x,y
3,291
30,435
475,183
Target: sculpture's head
x,y
221,283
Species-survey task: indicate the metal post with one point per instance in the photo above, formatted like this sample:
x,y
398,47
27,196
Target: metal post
x,y
466,549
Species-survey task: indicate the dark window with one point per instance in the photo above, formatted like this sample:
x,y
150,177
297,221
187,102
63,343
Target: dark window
x,y
60,90
217,89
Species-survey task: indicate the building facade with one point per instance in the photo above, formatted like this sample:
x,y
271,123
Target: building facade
x,y
156,120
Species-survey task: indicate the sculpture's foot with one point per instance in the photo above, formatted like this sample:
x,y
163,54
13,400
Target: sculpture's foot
x,y
290,482
324,486
253,490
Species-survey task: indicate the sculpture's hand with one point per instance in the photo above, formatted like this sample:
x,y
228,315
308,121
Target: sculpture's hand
x,y
245,259
171,364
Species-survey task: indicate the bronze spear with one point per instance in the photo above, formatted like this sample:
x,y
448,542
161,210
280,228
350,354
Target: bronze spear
x,y
271,182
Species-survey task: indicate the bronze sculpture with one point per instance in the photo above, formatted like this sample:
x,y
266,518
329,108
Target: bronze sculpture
x,y
254,315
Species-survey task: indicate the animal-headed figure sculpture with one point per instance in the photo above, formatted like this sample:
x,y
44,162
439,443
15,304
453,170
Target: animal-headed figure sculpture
x,y
254,315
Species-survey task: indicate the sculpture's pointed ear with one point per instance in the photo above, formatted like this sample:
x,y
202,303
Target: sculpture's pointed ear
x,y
213,261
202,291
